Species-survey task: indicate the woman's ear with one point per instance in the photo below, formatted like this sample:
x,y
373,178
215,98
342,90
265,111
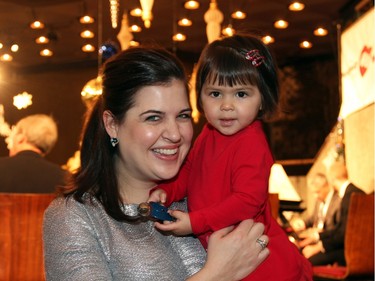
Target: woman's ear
x,y
110,123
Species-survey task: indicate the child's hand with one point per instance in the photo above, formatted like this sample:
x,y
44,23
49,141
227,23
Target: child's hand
x,y
158,195
180,227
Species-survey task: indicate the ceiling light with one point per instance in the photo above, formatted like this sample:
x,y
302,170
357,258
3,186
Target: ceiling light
x,y
86,19
296,6
88,48
239,15
320,31
14,48
268,39
191,5
6,57
42,40
305,44
37,25
22,100
281,24
87,34
135,28
46,53
228,31
179,37
137,12
184,22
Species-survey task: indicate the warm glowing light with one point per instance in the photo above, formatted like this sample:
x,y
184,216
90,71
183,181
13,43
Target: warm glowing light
x,y
305,44
92,88
86,19
191,5
14,48
37,25
184,22
320,31
114,9
42,40
6,57
147,12
134,43
46,53
1,45
179,37
228,31
87,34
281,24
135,28
88,48
137,12
22,100
268,39
296,6
239,15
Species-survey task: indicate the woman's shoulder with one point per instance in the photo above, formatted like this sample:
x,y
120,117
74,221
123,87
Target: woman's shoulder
x,y
67,207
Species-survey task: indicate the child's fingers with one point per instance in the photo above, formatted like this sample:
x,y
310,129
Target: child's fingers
x,y
165,227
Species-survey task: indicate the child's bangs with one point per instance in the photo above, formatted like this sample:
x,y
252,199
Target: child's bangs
x,y
232,72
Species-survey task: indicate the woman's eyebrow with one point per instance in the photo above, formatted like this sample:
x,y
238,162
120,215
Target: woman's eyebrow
x,y
152,111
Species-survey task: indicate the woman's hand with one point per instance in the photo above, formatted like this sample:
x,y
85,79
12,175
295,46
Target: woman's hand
x,y
233,253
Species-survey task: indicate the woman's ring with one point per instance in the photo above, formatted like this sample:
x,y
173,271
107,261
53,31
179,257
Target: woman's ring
x,y
262,243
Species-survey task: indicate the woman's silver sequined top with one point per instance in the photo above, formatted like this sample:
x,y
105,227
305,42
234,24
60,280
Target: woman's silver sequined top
x,y
81,242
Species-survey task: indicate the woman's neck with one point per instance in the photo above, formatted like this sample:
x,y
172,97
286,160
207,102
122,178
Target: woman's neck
x,y
134,191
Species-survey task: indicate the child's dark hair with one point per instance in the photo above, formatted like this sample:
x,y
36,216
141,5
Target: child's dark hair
x,y
224,61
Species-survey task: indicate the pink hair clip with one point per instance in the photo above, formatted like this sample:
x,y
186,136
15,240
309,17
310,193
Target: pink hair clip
x,y
255,58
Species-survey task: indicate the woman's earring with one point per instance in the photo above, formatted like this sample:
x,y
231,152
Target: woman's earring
x,y
114,141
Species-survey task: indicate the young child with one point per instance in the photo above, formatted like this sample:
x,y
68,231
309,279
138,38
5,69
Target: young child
x,y
225,177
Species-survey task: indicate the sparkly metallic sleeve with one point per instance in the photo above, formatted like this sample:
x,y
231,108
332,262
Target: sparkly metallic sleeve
x,y
81,242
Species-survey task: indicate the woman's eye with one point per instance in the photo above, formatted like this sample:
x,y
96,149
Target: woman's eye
x,y
185,116
153,118
241,94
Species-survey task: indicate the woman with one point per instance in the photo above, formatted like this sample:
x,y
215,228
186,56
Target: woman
x,y
137,135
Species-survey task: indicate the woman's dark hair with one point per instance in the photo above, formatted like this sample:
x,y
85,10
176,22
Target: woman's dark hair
x,y
123,76
224,61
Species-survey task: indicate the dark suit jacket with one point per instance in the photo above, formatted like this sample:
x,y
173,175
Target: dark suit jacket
x,y
334,239
29,172
332,216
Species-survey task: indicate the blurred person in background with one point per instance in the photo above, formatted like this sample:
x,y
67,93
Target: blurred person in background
x,y
26,170
327,247
325,213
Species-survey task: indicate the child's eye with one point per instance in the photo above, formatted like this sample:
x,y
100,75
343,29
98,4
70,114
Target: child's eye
x,y
215,94
241,94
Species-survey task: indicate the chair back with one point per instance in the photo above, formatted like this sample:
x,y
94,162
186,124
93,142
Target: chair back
x,y
359,236
21,246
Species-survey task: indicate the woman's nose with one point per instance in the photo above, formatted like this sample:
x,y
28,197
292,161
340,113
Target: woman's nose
x,y
172,132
